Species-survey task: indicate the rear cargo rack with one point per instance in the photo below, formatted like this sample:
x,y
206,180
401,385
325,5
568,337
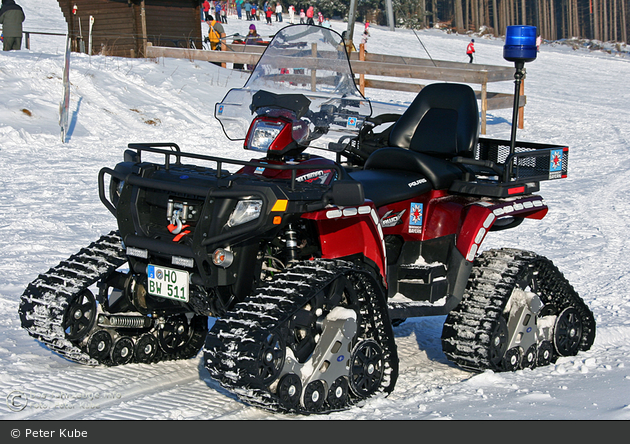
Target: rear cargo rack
x,y
496,171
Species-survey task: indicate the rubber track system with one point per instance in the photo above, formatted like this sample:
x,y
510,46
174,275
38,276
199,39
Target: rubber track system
x,y
469,328
233,346
45,302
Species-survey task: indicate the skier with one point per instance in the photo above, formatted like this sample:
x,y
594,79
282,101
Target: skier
x,y
470,50
216,34
11,18
292,14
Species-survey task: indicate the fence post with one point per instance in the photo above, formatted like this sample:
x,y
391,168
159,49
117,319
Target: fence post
x,y
362,76
313,70
27,40
484,102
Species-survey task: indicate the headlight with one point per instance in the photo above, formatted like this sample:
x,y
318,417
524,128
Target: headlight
x,y
245,211
115,190
263,134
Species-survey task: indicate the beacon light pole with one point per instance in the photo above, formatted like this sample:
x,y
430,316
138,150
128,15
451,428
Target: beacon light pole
x,y
520,47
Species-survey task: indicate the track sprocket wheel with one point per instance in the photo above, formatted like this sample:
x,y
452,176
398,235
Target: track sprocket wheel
x,y
182,337
79,316
366,368
518,311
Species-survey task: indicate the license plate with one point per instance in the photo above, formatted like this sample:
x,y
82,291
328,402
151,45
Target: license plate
x,y
168,283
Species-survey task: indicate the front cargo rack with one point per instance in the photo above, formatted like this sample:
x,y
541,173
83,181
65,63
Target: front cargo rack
x,y
497,172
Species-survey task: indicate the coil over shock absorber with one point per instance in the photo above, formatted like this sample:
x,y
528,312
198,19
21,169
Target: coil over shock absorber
x,y
291,244
124,321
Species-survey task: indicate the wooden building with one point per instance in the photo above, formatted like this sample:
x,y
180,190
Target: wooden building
x,y
123,27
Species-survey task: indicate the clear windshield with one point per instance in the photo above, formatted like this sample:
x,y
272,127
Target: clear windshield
x,y
308,60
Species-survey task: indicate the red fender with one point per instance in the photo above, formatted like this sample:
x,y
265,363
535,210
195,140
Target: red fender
x,y
347,231
481,216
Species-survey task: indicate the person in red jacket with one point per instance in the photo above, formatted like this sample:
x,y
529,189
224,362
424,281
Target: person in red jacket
x,y
206,10
470,50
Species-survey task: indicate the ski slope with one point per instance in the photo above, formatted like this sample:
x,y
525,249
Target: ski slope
x,y
50,209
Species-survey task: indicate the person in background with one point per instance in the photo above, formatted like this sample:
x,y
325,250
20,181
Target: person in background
x,y
292,14
268,14
216,35
11,18
302,16
347,43
310,12
217,10
206,10
278,12
364,37
252,38
470,50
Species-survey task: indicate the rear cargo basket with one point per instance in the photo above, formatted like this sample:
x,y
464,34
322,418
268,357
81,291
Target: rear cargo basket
x,y
496,172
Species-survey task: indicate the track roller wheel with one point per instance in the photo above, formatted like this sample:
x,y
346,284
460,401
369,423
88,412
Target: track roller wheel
x,y
545,353
314,396
512,359
530,358
289,391
146,348
338,393
100,345
122,352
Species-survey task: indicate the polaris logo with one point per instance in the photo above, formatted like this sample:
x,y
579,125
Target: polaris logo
x,y
415,183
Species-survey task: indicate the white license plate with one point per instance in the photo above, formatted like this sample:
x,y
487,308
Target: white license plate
x,y
168,283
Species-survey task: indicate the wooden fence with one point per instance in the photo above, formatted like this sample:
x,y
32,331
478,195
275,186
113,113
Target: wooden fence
x,y
381,65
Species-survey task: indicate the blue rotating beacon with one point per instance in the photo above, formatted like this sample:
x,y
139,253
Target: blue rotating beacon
x,y
520,48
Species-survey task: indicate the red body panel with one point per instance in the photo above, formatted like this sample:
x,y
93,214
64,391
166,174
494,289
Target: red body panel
x,y
437,214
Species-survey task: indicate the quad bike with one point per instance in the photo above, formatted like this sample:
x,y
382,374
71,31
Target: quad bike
x,y
307,261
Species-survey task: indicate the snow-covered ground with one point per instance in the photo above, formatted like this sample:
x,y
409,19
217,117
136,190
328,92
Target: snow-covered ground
x,y
49,209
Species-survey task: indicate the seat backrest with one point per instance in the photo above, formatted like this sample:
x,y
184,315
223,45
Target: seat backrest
x,y
443,121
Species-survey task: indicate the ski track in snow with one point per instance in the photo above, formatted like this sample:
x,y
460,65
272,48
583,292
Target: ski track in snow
x,y
50,209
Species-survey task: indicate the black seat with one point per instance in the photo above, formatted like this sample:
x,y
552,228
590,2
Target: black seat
x,y
441,123
387,186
